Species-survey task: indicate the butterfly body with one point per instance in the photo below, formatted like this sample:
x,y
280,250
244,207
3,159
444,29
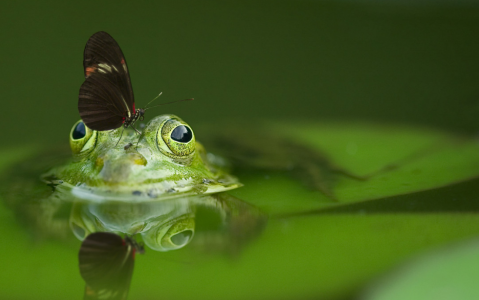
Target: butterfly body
x,y
138,114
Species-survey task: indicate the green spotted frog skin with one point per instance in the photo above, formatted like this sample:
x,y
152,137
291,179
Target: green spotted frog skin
x,y
165,161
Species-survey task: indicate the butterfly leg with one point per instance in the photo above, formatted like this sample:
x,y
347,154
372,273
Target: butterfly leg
x,y
120,136
137,131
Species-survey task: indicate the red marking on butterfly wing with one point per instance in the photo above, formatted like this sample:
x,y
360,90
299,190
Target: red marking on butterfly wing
x,y
90,70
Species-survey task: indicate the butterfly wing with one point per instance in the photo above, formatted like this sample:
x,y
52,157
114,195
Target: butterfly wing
x,y
100,103
106,97
106,264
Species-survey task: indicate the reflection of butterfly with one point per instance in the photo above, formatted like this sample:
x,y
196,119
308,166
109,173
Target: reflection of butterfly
x,y
106,97
106,264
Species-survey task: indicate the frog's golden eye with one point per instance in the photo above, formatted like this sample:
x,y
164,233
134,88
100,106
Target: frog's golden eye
x,y
176,137
82,138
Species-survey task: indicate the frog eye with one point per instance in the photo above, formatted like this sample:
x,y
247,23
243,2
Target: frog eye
x,y
181,134
176,137
82,138
79,131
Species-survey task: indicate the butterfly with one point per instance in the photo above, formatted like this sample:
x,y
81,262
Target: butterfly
x,y
106,99
106,262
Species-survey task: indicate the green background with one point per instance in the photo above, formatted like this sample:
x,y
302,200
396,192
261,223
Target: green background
x,y
396,62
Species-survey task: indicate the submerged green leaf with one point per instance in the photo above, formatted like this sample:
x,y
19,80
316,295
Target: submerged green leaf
x,y
393,160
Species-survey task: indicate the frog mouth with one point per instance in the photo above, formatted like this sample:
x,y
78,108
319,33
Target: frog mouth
x,y
167,189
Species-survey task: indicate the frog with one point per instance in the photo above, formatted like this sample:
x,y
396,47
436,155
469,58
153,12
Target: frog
x,y
164,162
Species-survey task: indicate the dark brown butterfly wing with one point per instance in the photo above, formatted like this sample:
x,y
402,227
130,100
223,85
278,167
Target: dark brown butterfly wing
x,y
106,97
99,103
106,264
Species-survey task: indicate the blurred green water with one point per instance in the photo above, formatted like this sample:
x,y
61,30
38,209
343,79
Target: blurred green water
x,y
414,64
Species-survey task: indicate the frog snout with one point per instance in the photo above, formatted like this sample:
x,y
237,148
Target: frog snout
x,y
118,168
137,159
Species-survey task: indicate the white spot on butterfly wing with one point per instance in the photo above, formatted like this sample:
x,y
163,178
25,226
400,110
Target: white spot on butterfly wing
x,y
104,68
127,108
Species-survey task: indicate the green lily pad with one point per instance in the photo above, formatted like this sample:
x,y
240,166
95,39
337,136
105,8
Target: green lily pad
x,y
395,160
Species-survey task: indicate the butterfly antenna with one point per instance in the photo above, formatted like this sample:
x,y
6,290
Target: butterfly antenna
x,y
153,99
191,99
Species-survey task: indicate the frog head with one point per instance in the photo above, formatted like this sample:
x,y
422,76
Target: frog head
x,y
165,161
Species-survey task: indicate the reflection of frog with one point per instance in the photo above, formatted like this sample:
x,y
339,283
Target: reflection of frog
x,y
224,222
